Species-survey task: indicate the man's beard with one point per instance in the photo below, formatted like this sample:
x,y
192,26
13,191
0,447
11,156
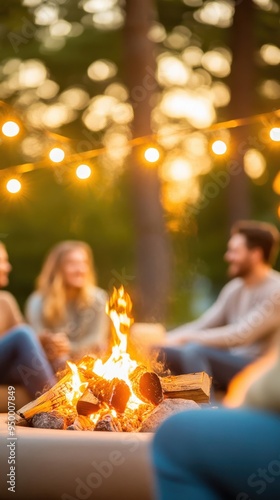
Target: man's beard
x,y
240,271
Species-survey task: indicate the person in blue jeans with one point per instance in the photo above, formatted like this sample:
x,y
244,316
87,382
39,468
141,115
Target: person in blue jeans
x,y
225,454
22,359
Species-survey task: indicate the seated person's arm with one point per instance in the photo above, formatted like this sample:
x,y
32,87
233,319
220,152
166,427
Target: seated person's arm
x,y
258,323
33,312
56,345
214,317
10,313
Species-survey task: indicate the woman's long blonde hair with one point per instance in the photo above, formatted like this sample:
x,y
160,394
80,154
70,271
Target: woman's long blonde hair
x,y
51,285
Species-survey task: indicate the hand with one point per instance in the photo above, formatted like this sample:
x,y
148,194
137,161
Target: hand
x,y
175,340
56,345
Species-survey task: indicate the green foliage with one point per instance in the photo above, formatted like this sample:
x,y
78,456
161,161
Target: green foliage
x,y
53,208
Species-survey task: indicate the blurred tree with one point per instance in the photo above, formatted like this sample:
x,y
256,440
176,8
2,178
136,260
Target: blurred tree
x,y
62,70
152,246
241,105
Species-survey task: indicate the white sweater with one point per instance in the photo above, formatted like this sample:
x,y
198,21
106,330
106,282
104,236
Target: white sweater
x,y
244,318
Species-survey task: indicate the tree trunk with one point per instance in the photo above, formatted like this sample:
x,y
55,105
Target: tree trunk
x,y
242,87
152,247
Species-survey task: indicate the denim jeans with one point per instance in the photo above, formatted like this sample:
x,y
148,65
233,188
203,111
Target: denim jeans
x,y
222,365
218,455
23,361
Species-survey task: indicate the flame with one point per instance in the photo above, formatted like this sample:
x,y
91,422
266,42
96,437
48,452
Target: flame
x,y
77,387
119,364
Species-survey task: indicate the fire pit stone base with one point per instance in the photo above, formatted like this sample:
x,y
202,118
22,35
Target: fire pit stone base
x,y
64,465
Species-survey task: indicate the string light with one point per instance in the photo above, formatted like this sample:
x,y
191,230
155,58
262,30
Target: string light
x,y
10,129
151,154
56,155
83,171
219,147
274,134
13,186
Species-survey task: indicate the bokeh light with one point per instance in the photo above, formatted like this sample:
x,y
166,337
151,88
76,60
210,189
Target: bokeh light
x,y
13,186
10,129
101,70
83,171
157,33
152,155
31,74
270,54
56,155
254,163
219,147
275,134
172,71
216,13
217,62
176,170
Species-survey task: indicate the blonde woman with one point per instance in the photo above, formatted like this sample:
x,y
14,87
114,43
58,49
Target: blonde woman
x,y
68,310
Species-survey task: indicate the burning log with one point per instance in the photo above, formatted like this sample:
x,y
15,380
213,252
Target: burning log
x,y
50,400
194,386
48,420
146,385
88,403
164,410
81,423
115,392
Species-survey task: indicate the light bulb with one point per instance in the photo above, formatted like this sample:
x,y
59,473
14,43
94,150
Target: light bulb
x,y
13,186
151,155
57,155
219,147
83,171
10,129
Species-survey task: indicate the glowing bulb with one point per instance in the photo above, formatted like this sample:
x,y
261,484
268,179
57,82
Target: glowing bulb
x,y
275,134
151,155
10,129
13,186
83,171
56,155
219,147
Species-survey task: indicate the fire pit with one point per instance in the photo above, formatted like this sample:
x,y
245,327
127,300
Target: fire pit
x,y
118,395
55,464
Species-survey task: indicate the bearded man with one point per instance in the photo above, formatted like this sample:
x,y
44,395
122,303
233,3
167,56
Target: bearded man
x,y
245,318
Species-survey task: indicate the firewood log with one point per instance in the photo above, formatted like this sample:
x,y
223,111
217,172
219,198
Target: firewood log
x,y
81,423
88,403
115,392
54,398
194,386
146,385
